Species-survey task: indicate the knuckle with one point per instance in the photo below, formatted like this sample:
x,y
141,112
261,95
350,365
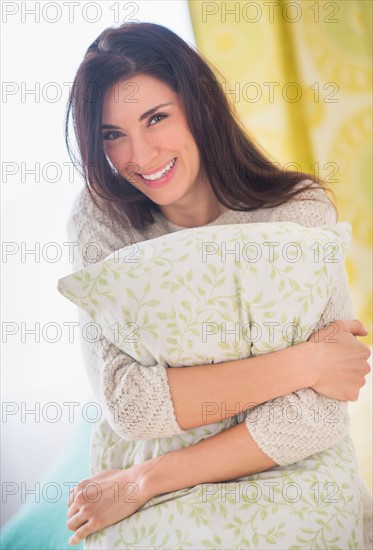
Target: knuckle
x,y
69,524
94,523
82,533
84,509
363,349
80,498
82,483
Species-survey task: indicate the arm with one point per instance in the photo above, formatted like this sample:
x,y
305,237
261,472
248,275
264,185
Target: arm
x,y
227,455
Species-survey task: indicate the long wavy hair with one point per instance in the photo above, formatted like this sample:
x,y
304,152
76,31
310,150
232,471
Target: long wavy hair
x,y
241,176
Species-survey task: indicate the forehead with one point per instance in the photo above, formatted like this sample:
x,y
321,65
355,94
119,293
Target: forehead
x,y
138,91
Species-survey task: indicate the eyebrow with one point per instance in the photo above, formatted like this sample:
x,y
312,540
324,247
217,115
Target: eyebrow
x,y
142,117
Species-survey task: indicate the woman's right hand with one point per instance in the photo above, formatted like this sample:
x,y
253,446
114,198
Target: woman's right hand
x,y
340,359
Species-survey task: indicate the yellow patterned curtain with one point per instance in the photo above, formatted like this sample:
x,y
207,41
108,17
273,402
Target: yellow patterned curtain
x,y
299,74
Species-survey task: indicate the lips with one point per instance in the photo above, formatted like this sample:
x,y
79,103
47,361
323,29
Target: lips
x,y
166,174
160,173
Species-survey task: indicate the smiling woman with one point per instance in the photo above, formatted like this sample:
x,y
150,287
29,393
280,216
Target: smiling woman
x,y
168,156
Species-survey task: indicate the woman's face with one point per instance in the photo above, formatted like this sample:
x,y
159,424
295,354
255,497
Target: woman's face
x,y
148,141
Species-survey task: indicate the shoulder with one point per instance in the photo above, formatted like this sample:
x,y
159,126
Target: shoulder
x,y
86,218
84,209
93,231
81,209
311,207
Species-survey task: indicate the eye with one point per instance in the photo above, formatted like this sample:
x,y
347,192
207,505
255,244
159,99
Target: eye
x,y
110,136
154,117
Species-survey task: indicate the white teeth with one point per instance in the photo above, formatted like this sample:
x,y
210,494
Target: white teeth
x,y
161,173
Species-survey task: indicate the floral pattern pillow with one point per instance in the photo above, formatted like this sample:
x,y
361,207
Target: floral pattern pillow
x,y
213,293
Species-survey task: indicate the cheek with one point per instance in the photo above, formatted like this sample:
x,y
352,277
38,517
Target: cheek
x,y
182,141
117,158
191,148
194,156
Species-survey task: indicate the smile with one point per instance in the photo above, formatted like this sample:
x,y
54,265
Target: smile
x,y
158,175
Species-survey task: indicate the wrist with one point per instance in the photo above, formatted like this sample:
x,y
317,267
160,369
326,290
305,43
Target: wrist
x,y
156,476
309,362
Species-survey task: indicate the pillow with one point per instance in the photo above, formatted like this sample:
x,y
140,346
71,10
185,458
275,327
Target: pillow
x,y
213,293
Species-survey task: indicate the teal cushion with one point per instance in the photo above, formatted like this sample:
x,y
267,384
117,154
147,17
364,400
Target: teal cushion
x,y
43,525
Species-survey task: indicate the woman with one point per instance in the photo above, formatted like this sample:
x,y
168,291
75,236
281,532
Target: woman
x,y
161,151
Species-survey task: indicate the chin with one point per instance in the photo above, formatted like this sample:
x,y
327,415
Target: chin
x,y
164,200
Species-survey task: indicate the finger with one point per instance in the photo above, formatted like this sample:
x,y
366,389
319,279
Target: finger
x,y
367,370
367,352
71,498
356,328
82,533
76,521
72,493
74,509
83,483
79,486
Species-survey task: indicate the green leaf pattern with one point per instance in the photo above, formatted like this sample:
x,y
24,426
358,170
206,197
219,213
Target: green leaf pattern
x,y
313,504
185,304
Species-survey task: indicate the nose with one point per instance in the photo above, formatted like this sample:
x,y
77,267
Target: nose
x,y
144,152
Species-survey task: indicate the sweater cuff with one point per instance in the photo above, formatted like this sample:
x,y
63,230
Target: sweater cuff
x,y
171,424
292,428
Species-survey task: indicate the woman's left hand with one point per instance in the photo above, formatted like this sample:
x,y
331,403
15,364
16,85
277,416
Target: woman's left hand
x,y
105,499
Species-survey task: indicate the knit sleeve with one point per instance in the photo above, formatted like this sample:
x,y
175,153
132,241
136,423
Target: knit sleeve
x,y
135,399
293,427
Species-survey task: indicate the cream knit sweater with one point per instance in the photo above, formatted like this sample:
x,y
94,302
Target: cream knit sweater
x,y
117,380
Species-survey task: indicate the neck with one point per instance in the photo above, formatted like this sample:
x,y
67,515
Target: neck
x,y
195,217
195,209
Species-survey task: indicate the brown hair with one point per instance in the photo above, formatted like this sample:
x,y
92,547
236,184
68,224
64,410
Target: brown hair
x,y
241,177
